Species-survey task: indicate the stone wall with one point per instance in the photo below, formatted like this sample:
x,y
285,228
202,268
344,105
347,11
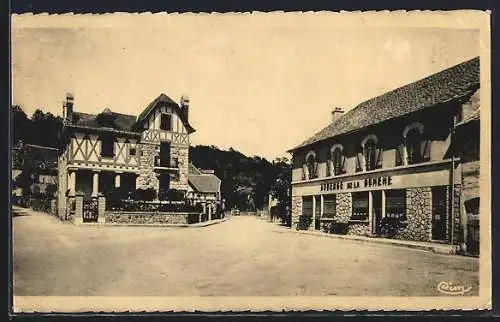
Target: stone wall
x,y
143,218
417,226
296,210
457,233
359,228
62,186
147,177
180,182
344,207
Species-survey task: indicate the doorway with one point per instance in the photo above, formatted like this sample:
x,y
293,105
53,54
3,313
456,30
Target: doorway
x,y
376,211
439,213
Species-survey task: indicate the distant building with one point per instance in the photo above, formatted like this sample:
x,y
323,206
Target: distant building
x,y
112,150
204,189
40,161
394,165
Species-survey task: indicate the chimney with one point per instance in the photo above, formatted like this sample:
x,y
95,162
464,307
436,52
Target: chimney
x,y
336,114
68,108
185,105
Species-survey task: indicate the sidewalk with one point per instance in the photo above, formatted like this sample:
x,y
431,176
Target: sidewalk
x,y
427,246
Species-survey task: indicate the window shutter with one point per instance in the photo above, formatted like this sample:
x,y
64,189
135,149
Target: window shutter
x,y
359,161
342,170
426,153
305,172
315,173
380,153
330,168
399,154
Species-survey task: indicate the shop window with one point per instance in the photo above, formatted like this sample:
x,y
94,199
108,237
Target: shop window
x,y
307,206
395,204
329,205
166,122
107,146
359,206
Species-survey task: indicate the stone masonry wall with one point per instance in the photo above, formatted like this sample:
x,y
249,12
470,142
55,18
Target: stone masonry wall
x,y
417,226
296,210
457,233
142,218
180,182
359,228
344,207
147,177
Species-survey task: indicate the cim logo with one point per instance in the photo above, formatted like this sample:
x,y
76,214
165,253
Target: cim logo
x,y
452,289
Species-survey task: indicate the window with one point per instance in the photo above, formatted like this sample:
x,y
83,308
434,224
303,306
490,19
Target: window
x,y
370,152
414,146
329,205
369,156
307,206
310,166
395,204
359,206
132,151
166,122
107,146
336,163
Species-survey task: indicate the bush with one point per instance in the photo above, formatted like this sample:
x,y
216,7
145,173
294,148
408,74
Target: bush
x,y
43,205
145,194
175,195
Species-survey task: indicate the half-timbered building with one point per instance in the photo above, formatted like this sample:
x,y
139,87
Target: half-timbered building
x,y
391,166
114,150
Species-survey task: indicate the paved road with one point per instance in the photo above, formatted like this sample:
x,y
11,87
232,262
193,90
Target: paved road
x,y
243,256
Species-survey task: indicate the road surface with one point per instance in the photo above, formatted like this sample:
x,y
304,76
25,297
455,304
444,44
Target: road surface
x,y
244,256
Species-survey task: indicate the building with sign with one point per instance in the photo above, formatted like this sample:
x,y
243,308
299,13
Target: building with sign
x,y
110,150
393,166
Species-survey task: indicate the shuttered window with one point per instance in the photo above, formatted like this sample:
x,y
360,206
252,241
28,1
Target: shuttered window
x,y
359,206
395,204
329,205
307,206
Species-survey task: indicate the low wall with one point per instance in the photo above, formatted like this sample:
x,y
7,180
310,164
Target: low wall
x,y
144,218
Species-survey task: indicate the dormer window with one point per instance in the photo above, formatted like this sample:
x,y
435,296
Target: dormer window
x,y
166,122
415,148
335,165
310,167
369,156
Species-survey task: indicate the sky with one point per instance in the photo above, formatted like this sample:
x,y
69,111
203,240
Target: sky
x,y
260,88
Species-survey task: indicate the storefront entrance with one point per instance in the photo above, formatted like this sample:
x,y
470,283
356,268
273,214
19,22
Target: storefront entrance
x,y
439,213
376,211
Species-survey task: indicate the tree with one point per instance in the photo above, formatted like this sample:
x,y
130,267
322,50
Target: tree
x,y
20,124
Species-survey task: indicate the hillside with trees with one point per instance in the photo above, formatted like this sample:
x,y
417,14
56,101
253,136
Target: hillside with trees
x,y
246,181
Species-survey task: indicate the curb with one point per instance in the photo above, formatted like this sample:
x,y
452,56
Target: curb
x,y
438,249
197,225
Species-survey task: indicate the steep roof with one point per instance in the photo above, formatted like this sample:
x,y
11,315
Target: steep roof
x,y
452,83
118,121
164,99
203,182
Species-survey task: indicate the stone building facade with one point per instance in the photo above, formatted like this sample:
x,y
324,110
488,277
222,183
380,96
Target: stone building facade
x,y
111,150
392,166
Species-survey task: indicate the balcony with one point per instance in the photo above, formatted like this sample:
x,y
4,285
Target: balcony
x,y
166,164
